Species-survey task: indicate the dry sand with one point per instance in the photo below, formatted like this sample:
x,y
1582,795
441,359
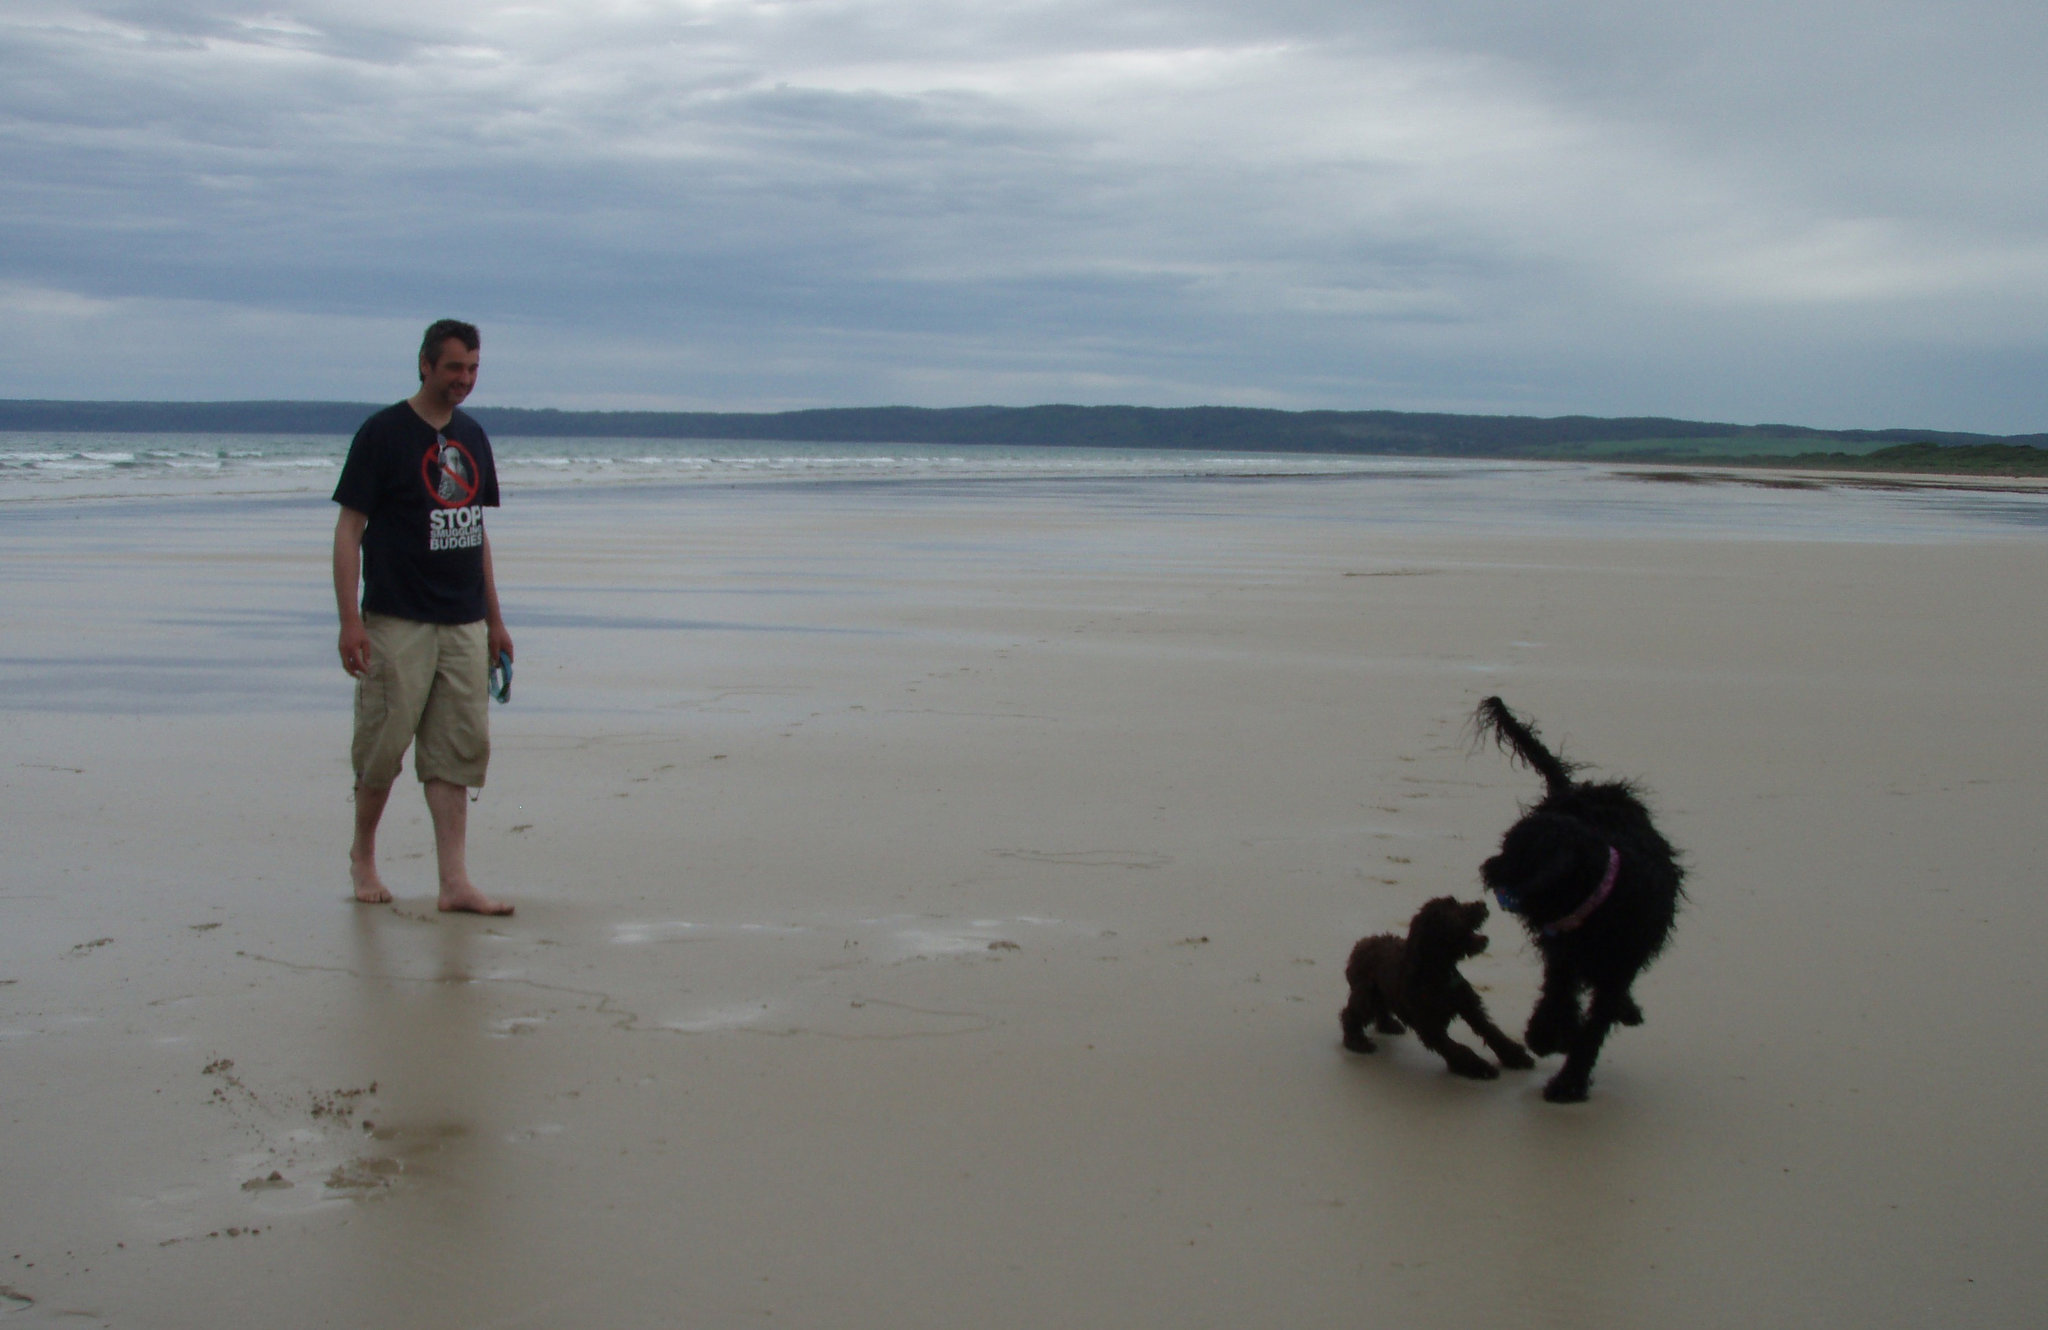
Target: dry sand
x,y
932,909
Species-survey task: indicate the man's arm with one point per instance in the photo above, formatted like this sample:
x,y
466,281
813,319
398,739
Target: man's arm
x,y
494,621
348,570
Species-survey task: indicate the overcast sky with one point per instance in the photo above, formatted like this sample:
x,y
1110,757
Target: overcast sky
x,y
1825,212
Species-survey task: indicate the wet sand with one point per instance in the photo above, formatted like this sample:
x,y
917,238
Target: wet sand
x,y
932,909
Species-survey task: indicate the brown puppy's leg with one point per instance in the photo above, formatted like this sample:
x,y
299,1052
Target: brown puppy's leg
x,y
1456,1056
1510,1053
1357,1014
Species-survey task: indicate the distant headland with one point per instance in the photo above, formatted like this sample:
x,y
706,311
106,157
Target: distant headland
x,y
1219,428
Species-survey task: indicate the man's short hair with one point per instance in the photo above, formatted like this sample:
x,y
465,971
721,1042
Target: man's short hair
x,y
438,334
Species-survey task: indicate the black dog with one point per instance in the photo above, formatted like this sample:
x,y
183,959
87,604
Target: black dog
x,y
1416,980
1596,886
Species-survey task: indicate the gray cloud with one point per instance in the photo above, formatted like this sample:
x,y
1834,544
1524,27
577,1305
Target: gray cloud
x,y
1806,211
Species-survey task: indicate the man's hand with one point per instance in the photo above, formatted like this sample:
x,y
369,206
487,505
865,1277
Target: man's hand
x,y
355,648
348,565
496,638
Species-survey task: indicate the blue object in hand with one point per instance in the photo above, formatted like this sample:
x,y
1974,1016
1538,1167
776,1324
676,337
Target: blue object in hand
x,y
501,677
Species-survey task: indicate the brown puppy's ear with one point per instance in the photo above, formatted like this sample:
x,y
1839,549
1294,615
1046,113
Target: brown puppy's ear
x,y
1434,931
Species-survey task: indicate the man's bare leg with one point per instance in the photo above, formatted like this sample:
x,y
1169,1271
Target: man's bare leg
x,y
362,852
449,805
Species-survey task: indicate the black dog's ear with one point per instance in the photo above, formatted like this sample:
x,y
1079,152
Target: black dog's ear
x,y
1537,856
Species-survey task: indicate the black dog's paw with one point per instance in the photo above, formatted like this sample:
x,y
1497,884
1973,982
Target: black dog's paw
x,y
1358,1043
1515,1058
1626,1012
1388,1025
1565,1089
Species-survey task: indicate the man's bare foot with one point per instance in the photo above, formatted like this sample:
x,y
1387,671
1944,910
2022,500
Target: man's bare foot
x,y
468,900
370,889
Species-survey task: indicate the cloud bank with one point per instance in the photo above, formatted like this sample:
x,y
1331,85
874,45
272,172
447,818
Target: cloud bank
x,y
1808,211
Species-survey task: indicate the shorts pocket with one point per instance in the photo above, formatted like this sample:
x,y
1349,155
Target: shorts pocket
x,y
372,717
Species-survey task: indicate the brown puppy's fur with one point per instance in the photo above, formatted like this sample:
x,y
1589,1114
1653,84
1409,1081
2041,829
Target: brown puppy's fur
x,y
1414,983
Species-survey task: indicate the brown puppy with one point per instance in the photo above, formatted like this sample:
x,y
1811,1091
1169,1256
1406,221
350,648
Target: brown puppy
x,y
1415,980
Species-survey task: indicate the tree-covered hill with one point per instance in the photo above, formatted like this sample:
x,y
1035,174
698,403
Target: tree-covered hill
x,y
1221,428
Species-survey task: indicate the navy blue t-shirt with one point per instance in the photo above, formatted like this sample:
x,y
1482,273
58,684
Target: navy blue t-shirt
x,y
424,491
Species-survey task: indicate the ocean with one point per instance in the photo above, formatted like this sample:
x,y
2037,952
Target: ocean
x,y
1590,498
162,465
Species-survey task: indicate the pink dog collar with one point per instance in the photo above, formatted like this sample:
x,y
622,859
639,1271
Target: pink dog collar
x,y
1600,893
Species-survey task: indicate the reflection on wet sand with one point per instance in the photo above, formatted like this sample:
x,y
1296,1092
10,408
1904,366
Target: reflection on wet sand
x,y
420,1173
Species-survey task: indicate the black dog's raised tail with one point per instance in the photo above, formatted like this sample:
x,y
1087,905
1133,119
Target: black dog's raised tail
x,y
1512,733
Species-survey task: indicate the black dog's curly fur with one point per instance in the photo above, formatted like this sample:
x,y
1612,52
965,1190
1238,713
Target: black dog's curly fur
x,y
1416,980
1551,863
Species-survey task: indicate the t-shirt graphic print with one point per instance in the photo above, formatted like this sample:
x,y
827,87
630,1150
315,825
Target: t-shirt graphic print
x,y
450,474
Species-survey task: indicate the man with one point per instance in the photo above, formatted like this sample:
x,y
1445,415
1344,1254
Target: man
x,y
412,495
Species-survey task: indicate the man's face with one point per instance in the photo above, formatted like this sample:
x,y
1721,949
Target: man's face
x,y
451,376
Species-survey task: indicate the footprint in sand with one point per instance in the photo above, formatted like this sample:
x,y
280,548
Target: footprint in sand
x,y
364,1174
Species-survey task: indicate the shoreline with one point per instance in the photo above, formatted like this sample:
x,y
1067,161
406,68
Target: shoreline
x,y
1848,477
537,462
522,477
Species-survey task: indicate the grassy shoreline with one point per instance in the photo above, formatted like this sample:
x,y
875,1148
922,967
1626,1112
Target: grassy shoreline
x,y
1969,461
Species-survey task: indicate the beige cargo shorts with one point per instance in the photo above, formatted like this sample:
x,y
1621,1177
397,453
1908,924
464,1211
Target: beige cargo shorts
x,y
428,685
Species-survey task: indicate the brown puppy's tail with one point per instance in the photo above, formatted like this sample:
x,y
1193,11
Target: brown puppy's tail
x,y
1519,739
